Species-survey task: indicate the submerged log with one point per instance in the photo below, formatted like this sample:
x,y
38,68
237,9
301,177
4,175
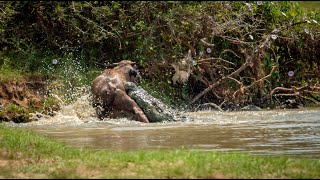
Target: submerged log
x,y
154,109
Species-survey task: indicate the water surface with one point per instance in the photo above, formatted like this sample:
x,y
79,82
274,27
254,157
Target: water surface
x,y
272,132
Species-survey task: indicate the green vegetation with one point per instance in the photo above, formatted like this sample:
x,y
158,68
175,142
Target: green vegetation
x,y
8,72
240,52
27,155
15,113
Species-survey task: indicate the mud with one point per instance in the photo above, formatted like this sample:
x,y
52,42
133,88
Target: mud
x,y
20,97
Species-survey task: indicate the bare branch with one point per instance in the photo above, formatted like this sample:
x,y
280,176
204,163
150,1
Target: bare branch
x,y
235,40
203,40
228,50
238,82
220,59
255,82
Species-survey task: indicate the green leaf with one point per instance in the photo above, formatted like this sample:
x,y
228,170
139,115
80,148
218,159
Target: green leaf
x,y
300,43
125,56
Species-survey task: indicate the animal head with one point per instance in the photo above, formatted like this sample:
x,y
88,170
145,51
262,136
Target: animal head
x,y
182,69
129,69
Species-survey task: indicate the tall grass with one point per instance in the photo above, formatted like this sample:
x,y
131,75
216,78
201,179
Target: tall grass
x,y
8,70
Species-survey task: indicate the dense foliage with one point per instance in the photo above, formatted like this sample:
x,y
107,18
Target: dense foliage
x,y
240,53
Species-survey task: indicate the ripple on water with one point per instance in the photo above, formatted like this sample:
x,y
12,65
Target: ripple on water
x,y
293,132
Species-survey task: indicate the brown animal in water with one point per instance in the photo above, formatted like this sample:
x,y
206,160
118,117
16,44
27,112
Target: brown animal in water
x,y
109,93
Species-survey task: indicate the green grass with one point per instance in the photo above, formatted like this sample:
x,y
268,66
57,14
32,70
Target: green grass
x,y
8,72
310,5
24,154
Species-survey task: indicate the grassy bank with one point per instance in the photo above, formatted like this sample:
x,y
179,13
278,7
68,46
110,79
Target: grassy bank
x,y
24,154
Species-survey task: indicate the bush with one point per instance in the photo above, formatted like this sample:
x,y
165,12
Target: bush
x,y
241,52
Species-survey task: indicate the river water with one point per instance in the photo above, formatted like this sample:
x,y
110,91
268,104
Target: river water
x,y
267,132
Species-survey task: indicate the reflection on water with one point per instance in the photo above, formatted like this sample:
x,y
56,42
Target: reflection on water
x,y
290,132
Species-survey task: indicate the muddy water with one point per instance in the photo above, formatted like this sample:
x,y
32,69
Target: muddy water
x,y
272,132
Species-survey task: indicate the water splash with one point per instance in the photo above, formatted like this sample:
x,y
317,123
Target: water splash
x,y
81,112
71,89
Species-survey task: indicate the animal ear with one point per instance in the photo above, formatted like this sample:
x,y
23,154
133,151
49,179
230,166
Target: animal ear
x,y
133,72
130,62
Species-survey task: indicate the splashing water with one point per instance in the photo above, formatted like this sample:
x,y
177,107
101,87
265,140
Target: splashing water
x,y
261,132
291,132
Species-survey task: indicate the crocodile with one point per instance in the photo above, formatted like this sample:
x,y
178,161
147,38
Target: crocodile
x,y
154,109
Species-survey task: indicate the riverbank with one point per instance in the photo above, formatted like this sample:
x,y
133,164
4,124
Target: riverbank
x,y
31,97
228,55
24,154
23,97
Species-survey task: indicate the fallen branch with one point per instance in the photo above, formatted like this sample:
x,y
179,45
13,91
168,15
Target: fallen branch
x,y
213,105
301,92
293,94
254,55
220,59
246,64
205,91
255,82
